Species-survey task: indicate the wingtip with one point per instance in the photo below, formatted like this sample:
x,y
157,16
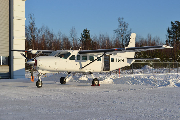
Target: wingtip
x,y
166,46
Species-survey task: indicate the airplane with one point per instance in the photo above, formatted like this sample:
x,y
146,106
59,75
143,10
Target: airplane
x,y
89,61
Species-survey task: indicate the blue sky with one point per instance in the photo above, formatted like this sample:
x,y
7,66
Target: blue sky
x,y
101,16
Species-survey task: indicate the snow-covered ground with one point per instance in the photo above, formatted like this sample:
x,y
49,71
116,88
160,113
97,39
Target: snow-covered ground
x,y
128,96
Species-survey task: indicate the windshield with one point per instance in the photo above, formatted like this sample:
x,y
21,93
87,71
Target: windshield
x,y
64,55
54,53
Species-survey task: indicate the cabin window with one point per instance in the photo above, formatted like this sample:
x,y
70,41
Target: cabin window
x,y
84,57
72,57
78,57
91,58
99,59
112,59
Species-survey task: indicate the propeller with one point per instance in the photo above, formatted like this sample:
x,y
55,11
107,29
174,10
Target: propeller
x,y
32,62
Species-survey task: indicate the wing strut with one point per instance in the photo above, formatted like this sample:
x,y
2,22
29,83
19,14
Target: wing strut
x,y
94,60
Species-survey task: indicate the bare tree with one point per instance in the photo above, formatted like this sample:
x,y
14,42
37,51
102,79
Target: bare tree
x,y
31,31
122,33
73,35
66,43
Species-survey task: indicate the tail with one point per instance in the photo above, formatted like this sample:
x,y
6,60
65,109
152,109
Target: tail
x,y
131,44
132,40
129,56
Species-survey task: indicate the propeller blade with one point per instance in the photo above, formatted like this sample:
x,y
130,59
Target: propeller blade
x,y
24,56
39,53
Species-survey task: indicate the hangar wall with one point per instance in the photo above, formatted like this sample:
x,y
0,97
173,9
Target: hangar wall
x,y
4,38
12,36
18,38
4,28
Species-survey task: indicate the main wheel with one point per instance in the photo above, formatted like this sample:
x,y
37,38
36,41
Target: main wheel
x,y
95,82
62,80
39,84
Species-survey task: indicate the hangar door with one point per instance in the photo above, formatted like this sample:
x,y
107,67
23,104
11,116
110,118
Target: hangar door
x,y
4,38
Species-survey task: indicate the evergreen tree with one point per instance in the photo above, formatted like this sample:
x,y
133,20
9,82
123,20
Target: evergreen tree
x,y
173,35
86,40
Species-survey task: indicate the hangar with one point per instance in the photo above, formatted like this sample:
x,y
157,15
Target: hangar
x,y
12,36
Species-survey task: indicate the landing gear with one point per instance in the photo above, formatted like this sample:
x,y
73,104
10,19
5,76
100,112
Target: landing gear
x,y
95,82
39,82
63,80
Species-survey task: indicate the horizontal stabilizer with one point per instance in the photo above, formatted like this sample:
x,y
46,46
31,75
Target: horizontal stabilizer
x,y
144,58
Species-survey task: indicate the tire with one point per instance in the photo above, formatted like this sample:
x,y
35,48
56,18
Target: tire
x,y
39,84
95,82
62,80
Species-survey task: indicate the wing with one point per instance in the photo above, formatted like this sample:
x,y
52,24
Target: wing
x,y
100,50
35,51
145,48
126,49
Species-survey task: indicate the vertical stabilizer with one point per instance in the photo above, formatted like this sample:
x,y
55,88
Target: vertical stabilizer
x,y
131,44
132,40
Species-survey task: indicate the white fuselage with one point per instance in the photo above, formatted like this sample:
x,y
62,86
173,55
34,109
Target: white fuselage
x,y
81,62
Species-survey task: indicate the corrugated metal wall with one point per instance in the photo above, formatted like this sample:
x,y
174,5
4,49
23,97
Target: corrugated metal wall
x,y
4,27
4,36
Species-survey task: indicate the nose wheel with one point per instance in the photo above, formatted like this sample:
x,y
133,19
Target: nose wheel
x,y
39,84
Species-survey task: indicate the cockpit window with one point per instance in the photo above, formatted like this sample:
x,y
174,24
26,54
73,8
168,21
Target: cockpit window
x,y
54,53
64,55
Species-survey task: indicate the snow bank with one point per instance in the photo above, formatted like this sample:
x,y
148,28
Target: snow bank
x,y
152,79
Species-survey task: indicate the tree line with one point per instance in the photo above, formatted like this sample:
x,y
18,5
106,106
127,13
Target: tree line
x,y
45,39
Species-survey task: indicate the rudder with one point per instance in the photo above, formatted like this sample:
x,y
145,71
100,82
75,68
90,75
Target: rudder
x,y
132,40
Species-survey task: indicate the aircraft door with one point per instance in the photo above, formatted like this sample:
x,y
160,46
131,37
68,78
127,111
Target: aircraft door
x,y
106,63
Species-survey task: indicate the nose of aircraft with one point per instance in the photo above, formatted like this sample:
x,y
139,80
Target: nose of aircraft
x,y
31,62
